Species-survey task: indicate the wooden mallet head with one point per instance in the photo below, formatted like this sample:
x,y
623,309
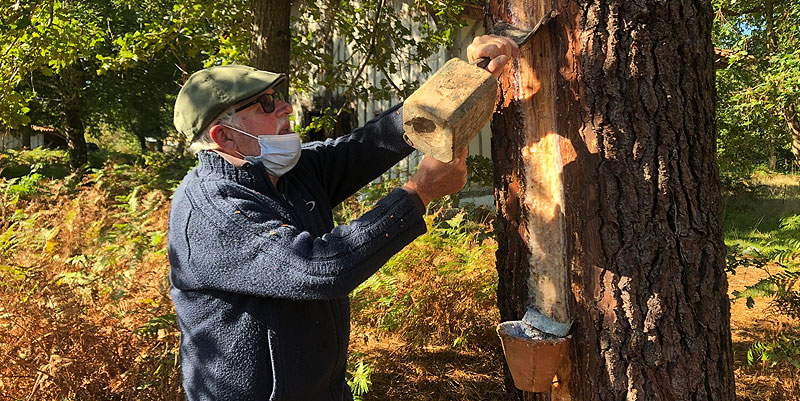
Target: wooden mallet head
x,y
447,111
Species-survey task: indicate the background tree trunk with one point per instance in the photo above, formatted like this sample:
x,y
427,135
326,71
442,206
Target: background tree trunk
x,y
269,44
26,132
790,114
142,140
70,84
609,114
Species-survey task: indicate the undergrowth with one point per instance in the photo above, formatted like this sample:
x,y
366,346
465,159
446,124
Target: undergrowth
x,y
774,247
85,311
439,290
84,305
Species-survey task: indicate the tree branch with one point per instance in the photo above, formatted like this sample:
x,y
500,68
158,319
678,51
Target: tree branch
x,y
738,13
385,74
722,58
369,53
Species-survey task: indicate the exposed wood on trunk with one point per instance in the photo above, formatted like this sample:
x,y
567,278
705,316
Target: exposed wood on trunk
x,y
634,145
269,43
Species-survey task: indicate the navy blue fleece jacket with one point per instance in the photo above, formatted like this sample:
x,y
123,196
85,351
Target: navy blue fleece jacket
x,y
260,276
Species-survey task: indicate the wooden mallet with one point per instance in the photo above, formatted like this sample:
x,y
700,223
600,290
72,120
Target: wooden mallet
x,y
447,112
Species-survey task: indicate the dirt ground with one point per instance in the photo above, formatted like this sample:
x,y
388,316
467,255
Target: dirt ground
x,y
757,383
444,373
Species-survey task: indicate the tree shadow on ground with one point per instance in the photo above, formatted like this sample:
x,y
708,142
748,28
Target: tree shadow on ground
x,y
403,372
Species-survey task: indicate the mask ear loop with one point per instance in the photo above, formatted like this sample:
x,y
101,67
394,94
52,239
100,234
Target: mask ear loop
x,y
242,132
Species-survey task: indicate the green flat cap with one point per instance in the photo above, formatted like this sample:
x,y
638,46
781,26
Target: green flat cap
x,y
209,92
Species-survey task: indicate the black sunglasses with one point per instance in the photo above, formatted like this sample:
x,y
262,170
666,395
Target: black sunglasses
x,y
267,102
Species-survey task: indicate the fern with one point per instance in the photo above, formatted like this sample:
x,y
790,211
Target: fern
x,y
774,352
774,286
157,326
8,240
360,380
781,288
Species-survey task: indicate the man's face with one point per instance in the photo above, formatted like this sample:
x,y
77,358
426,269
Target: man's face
x,y
257,122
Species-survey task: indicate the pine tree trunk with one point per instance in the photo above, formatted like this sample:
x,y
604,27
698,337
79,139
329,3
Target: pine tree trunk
x,y
70,83
269,44
605,156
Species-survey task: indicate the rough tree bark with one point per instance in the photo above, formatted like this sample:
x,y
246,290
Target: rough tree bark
x,y
790,114
270,40
70,84
605,162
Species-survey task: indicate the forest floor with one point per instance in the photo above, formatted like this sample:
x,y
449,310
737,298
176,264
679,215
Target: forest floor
x,y
760,323
404,372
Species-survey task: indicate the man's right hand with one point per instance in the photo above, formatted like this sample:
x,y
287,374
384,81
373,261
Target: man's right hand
x,y
435,179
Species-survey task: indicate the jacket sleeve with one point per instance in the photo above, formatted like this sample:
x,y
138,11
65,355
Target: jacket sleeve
x,y
236,244
346,164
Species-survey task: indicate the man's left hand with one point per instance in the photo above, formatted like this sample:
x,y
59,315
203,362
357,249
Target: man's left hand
x,y
498,48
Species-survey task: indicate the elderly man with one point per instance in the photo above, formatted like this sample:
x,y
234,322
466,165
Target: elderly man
x,y
260,275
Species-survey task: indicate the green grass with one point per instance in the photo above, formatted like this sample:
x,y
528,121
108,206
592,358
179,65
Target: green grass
x,y
754,210
52,163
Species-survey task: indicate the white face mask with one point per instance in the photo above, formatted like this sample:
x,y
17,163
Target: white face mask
x,y
279,153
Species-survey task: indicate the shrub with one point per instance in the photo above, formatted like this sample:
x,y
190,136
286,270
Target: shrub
x,y
439,289
781,288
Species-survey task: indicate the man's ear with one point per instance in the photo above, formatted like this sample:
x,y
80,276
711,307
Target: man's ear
x,y
222,137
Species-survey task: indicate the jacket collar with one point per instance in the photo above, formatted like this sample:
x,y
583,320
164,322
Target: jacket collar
x,y
253,176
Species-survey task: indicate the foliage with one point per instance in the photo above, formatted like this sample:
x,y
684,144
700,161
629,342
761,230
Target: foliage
x,y
759,90
126,52
25,186
215,31
118,58
781,288
84,291
360,379
43,36
480,171
381,35
384,36
450,257
774,352
83,286
48,162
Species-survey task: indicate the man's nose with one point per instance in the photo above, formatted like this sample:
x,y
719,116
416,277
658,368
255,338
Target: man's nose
x,y
282,107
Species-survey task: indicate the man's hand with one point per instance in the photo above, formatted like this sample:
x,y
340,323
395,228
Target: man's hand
x,y
498,48
435,179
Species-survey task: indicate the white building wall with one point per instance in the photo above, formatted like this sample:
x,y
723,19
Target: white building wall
x,y
37,140
8,141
